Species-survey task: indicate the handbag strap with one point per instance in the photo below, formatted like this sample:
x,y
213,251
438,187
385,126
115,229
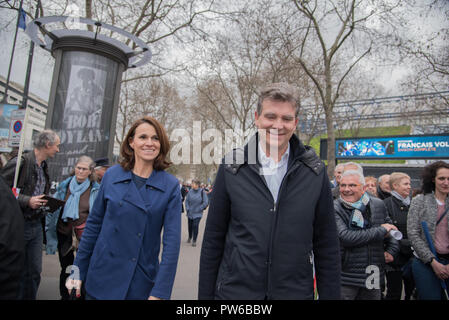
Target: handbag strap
x,y
442,216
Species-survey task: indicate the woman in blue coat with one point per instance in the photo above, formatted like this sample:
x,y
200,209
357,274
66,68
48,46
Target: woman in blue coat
x,y
118,257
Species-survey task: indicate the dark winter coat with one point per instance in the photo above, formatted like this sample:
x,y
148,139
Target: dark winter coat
x,y
255,247
361,248
398,211
381,194
12,243
26,182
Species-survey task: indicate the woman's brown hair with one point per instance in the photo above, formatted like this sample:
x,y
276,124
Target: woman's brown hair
x,y
127,153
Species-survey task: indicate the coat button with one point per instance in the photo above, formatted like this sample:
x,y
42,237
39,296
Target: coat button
x,y
139,234
133,259
120,203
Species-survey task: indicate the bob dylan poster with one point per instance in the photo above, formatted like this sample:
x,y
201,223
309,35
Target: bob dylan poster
x,y
82,113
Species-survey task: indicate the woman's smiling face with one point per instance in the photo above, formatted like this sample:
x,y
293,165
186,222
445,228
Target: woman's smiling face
x,y
145,143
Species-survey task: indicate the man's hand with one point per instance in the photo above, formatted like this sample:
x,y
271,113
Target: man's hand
x,y
388,257
36,202
154,298
388,227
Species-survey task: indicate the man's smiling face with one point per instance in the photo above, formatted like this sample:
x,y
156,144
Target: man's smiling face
x,y
276,123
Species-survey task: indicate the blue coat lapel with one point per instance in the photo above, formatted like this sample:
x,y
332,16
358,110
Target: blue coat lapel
x,y
132,194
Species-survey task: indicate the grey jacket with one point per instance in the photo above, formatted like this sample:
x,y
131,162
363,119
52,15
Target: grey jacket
x,y
424,207
196,203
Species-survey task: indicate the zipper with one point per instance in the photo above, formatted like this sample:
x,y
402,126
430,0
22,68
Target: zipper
x,y
273,229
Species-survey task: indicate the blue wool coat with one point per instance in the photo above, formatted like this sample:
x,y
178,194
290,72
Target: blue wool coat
x,y
118,256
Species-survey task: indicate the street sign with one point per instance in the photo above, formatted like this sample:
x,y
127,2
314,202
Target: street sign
x,y
16,127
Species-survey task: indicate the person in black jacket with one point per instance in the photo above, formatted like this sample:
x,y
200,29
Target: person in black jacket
x,y
271,219
400,269
363,226
34,184
12,244
383,187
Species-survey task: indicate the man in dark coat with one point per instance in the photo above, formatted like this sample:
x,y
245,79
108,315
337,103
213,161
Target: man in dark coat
x,y
271,219
34,184
363,228
383,187
12,244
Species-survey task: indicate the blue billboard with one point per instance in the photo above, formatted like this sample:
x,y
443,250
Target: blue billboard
x,y
397,147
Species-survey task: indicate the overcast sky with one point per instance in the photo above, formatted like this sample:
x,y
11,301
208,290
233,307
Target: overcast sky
x,y
43,63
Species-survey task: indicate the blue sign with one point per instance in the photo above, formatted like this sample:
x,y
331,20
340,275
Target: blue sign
x,y
17,126
398,147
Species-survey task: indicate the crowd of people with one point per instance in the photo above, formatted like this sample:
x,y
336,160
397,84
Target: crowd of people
x,y
277,227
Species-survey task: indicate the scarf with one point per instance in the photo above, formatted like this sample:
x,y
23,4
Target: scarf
x,y
358,209
71,207
405,201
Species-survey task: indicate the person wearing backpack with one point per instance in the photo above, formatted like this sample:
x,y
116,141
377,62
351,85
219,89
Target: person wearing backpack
x,y
196,202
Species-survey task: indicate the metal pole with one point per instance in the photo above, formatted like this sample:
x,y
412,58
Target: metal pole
x,y
30,63
4,100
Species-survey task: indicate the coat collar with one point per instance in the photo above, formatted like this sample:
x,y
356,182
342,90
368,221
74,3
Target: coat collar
x,y
156,179
249,155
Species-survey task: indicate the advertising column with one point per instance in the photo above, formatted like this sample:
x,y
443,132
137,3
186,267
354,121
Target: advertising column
x,y
83,108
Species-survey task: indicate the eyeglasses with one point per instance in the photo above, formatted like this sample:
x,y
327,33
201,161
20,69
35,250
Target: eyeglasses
x,y
82,169
350,186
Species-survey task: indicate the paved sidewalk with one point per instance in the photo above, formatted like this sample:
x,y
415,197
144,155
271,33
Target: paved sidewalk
x,y
186,281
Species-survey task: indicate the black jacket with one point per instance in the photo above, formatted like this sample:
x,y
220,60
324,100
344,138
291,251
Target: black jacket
x,y
26,181
12,243
397,211
381,194
254,248
361,248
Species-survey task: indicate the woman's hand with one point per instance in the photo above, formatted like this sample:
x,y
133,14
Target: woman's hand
x,y
154,298
441,271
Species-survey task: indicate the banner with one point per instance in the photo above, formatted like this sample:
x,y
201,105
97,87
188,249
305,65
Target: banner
x,y
397,147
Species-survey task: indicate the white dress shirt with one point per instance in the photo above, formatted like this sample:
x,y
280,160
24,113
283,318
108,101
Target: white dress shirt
x,y
272,171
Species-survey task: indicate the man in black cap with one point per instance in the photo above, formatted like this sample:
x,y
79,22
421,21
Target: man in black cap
x,y
101,165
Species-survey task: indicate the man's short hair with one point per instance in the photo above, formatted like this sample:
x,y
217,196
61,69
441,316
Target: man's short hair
x,y
280,91
359,167
42,138
354,173
380,178
340,165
